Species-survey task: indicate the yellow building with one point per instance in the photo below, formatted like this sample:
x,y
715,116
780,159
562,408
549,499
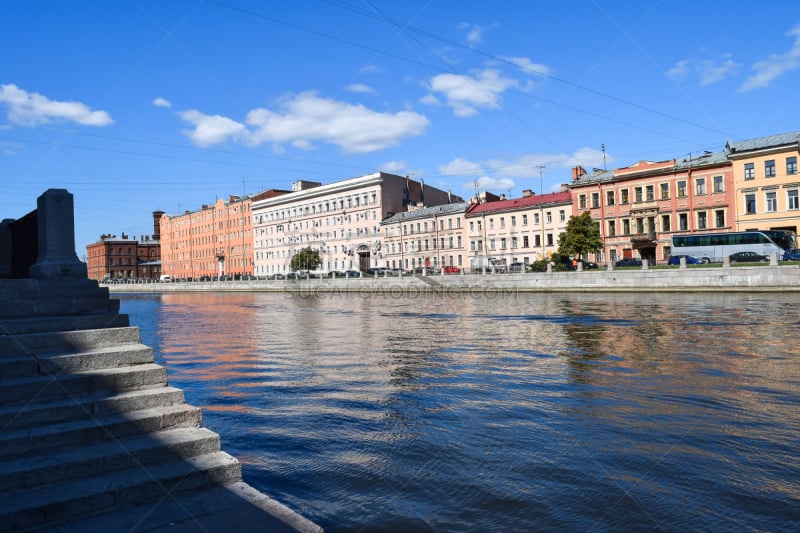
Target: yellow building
x,y
766,182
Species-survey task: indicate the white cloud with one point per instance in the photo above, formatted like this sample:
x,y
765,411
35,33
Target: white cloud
x,y
528,66
707,70
461,167
465,94
767,70
30,109
162,102
9,148
430,99
474,32
360,88
486,183
212,129
527,165
393,167
305,119
371,68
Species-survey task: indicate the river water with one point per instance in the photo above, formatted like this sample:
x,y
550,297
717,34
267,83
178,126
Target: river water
x,y
513,412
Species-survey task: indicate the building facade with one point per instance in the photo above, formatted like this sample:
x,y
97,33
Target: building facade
x,y
341,220
517,230
216,240
426,239
640,207
766,182
124,257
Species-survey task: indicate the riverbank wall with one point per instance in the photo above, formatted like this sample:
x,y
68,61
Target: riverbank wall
x,y
784,278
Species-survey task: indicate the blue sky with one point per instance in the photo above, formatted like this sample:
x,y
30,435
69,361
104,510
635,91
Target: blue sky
x,y
139,105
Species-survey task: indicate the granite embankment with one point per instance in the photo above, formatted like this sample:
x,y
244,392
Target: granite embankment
x,y
713,278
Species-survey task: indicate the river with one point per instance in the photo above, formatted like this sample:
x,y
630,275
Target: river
x,y
489,412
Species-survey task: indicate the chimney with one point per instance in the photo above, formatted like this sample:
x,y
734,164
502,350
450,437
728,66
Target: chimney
x,y
157,225
503,196
527,193
577,172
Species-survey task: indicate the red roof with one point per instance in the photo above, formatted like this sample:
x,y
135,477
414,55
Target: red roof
x,y
520,203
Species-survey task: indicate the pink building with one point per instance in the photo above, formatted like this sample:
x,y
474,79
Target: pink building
x,y
640,207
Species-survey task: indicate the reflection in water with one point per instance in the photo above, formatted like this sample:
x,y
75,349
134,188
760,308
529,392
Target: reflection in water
x,y
478,412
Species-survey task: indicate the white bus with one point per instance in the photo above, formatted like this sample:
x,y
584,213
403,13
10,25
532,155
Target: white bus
x,y
713,247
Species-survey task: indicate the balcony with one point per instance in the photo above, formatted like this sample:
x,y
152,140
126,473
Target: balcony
x,y
649,236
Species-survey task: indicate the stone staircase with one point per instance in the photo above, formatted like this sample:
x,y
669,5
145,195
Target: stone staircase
x,y
93,438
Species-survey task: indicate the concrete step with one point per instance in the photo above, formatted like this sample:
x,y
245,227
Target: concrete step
x,y
55,342
66,501
106,357
102,458
233,506
21,308
39,388
86,406
99,320
23,441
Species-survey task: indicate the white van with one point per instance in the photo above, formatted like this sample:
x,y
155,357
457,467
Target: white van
x,y
164,278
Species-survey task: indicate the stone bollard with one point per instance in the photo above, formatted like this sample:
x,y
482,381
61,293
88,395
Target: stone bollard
x,y
726,261
645,264
683,262
57,258
549,267
579,266
610,266
773,260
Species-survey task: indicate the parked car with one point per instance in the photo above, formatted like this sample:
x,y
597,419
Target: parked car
x,y
628,262
449,269
277,275
792,254
690,260
587,265
748,257
516,267
352,274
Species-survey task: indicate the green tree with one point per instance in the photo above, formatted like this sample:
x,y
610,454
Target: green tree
x,y
582,236
305,259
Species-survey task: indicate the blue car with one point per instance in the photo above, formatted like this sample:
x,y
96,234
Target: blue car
x,y
792,254
676,260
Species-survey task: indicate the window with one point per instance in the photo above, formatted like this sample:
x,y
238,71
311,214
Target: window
x,y
562,216
718,186
749,171
549,217
491,244
665,223
664,191
772,201
582,201
639,225
791,165
502,222
502,243
536,218
525,243
792,200
623,195
612,228
471,226
638,194
683,222
595,200
700,185
491,223
769,168
626,227
513,221
719,218
549,239
610,198
537,240
524,220
681,189
750,204
702,222
650,193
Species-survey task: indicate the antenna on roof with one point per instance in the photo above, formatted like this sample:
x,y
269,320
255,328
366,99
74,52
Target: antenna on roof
x,y
541,186
603,148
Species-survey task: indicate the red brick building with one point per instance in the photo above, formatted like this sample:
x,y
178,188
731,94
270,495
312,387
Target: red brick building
x,y
122,257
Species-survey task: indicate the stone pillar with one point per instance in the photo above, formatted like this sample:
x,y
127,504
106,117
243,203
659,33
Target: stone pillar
x,y
645,264
610,266
57,258
683,261
579,266
726,261
549,267
5,248
773,260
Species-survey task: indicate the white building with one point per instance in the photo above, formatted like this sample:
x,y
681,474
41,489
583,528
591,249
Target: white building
x,y
340,220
